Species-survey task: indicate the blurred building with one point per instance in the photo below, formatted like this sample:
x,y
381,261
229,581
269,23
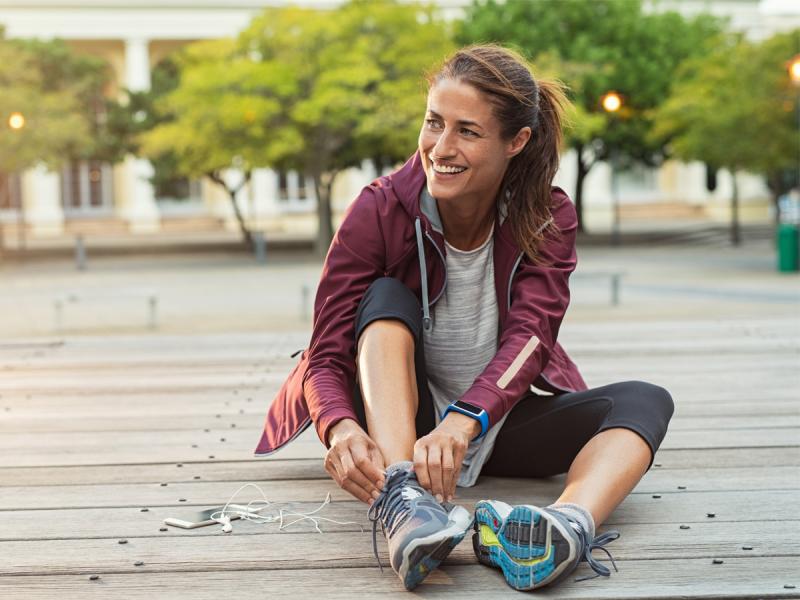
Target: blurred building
x,y
134,36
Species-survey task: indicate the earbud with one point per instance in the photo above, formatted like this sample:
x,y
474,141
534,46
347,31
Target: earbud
x,y
225,521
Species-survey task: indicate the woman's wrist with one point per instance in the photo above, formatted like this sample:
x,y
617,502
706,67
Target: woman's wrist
x,y
341,428
471,427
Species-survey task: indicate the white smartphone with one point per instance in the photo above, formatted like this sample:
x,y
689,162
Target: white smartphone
x,y
202,518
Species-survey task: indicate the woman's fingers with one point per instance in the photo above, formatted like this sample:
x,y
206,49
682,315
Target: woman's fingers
x,y
356,464
448,469
421,465
343,477
435,471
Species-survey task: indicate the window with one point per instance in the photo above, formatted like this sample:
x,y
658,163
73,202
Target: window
x,y
10,191
86,187
292,187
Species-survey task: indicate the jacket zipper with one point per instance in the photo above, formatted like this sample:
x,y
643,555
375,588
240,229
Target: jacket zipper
x,y
444,264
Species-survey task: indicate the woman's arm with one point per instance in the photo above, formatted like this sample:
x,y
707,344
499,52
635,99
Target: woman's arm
x,y
539,300
355,259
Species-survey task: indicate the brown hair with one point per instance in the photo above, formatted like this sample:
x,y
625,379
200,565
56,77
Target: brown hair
x,y
519,100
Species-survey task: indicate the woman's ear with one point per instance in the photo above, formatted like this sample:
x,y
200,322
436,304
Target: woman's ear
x,y
519,141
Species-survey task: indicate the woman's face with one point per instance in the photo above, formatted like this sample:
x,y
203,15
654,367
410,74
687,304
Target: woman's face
x,y
460,144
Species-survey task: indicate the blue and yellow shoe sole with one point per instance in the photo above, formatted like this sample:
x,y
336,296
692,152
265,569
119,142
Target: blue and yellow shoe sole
x,y
527,544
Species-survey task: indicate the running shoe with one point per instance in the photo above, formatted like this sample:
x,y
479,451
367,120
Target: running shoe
x,y
534,547
420,531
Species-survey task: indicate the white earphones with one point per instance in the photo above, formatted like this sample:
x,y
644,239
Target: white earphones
x,y
254,507
225,521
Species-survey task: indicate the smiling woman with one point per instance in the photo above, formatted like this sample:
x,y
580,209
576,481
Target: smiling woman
x,y
435,332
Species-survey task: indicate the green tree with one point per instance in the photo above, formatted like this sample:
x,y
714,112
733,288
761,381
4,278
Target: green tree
x,y
53,90
596,47
357,74
225,113
734,109
303,89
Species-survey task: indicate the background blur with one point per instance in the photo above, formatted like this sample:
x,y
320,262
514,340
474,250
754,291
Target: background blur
x,y
181,166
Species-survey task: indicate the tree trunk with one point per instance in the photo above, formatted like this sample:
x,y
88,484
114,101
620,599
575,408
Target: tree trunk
x,y
583,169
323,184
735,234
247,237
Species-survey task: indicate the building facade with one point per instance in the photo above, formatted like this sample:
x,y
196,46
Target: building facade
x,y
134,36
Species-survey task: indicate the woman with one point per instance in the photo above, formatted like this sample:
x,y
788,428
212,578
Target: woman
x,y
434,358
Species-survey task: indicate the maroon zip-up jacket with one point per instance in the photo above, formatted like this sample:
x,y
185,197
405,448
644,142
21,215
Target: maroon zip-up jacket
x,y
393,229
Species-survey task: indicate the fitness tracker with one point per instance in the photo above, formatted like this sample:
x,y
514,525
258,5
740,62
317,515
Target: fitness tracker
x,y
476,412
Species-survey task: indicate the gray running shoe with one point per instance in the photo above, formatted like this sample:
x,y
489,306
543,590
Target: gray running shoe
x,y
533,546
420,531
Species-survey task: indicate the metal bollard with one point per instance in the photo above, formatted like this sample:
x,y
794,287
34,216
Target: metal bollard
x,y
304,292
80,253
260,247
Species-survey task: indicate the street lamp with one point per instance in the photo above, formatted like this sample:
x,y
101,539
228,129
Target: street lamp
x,y
16,120
611,102
794,69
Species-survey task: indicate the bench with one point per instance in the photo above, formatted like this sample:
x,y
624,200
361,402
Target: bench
x,y
85,296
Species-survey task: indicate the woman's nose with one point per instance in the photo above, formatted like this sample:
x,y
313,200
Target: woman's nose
x,y
444,146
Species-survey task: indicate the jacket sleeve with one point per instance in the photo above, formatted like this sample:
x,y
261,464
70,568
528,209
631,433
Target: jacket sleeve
x,y
355,259
539,300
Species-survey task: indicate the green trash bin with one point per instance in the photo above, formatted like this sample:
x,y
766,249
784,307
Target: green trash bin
x,y
788,240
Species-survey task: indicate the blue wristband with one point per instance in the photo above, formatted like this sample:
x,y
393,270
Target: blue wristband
x,y
475,412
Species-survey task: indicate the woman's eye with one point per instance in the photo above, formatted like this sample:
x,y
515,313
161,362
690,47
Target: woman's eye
x,y
469,132
433,123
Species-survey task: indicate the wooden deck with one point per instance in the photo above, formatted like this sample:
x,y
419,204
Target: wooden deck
x,y
102,438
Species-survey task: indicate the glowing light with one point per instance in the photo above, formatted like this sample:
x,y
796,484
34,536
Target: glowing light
x,y
794,69
16,121
611,102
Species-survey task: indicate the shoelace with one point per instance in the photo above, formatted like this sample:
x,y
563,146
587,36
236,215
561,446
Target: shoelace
x,y
597,543
390,508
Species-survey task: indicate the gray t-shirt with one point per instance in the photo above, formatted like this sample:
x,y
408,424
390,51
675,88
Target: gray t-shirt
x,y
463,340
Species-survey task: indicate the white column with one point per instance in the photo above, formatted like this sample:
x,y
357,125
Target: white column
x,y
264,190
139,205
41,199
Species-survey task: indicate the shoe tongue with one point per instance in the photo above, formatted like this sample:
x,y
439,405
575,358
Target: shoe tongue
x,y
405,465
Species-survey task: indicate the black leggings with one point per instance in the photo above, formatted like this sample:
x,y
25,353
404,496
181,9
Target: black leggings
x,y
548,431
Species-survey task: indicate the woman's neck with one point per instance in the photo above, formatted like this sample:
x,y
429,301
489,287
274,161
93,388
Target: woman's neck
x,y
466,227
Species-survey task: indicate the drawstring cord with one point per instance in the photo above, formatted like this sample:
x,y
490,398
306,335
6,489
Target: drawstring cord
x,y
426,311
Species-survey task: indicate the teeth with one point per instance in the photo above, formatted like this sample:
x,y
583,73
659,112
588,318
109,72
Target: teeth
x,y
446,169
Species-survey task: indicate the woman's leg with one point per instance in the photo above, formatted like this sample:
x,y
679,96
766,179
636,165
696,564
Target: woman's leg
x,y
386,375
604,437
605,471
391,397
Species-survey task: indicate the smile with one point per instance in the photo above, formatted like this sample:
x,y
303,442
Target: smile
x,y
442,168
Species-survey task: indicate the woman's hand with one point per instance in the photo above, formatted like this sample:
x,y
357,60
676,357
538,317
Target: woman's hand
x,y
354,461
438,455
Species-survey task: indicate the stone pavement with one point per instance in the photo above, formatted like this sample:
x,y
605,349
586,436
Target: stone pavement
x,y
227,291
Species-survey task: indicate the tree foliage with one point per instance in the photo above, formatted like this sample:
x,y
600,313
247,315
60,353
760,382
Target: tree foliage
x,y
596,47
311,90
735,108
59,95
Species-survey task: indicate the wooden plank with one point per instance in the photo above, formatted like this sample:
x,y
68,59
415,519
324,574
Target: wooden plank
x,y
727,457
656,480
510,490
69,448
44,524
250,420
745,578
253,546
